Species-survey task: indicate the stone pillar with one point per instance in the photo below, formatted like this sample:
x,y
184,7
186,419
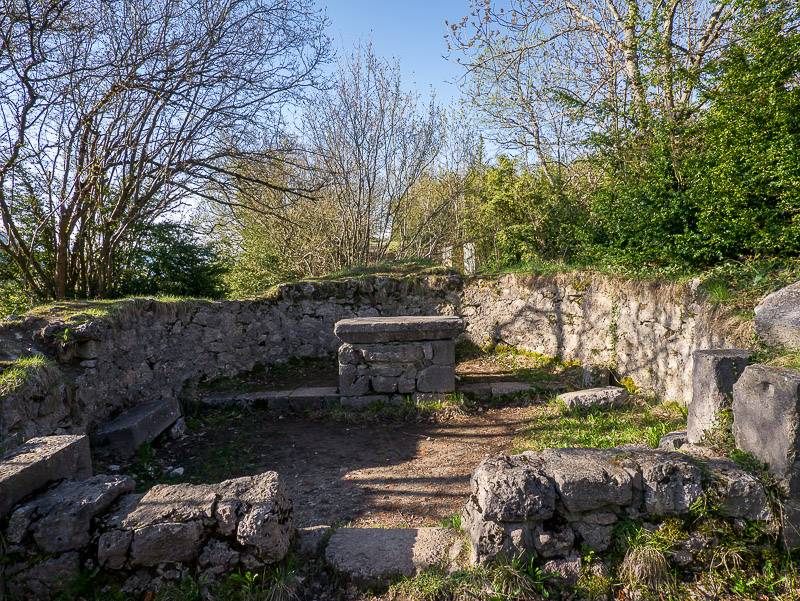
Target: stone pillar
x,y
766,420
715,373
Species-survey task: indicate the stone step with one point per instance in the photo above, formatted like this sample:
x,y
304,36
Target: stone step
x,y
39,462
502,388
376,556
122,436
295,399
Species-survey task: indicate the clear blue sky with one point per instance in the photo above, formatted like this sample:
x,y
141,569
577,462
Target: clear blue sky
x,y
411,31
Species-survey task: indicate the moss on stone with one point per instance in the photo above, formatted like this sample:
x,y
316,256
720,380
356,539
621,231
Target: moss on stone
x,y
14,374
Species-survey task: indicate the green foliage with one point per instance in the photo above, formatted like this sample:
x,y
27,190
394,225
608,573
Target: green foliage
x,y
16,373
168,260
637,423
517,216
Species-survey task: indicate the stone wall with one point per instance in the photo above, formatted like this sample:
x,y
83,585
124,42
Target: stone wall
x,y
644,331
148,350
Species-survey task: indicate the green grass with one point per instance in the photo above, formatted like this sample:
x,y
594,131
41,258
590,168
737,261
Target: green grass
x,y
17,372
554,425
510,580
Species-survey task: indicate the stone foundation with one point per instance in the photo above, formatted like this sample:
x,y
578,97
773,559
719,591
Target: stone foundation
x,y
145,540
550,504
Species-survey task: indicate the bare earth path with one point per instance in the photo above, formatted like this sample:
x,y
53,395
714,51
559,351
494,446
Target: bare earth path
x,y
404,474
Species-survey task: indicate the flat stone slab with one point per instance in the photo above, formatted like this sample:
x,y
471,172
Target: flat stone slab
x,y
139,425
778,317
378,555
601,398
398,329
41,461
296,399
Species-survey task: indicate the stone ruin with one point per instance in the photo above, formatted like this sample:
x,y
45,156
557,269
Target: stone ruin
x,y
57,519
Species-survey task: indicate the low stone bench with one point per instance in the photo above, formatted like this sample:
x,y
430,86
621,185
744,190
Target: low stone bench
x,y
383,356
122,436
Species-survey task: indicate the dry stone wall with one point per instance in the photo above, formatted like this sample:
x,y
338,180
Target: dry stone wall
x,y
644,331
149,350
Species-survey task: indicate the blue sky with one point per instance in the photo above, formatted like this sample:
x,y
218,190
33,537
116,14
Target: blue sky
x,y
411,31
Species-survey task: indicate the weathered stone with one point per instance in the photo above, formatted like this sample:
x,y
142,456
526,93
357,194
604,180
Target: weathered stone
x,y
376,555
671,482
443,352
112,548
353,381
502,389
714,374
513,489
553,543
141,424
166,542
360,402
741,495
265,527
436,378
311,539
218,558
312,397
391,352
60,519
778,317
673,440
588,479
595,536
398,329
567,569
595,376
766,420
790,524
39,462
600,398
45,579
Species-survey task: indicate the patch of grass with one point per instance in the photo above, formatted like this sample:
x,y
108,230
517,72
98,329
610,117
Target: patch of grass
x,y
516,364
515,579
453,522
554,425
15,373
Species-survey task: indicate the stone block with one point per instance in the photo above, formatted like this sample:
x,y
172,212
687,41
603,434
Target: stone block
x,y
790,524
391,352
673,441
588,479
353,380
141,424
766,420
595,376
364,400
444,352
715,373
436,378
398,329
595,398
60,520
375,556
312,397
777,319
39,462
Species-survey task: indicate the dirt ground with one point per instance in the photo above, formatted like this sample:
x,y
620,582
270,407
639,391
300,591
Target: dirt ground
x,y
401,474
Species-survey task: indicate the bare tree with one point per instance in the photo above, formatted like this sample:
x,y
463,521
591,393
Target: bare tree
x,y
115,113
373,141
546,73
